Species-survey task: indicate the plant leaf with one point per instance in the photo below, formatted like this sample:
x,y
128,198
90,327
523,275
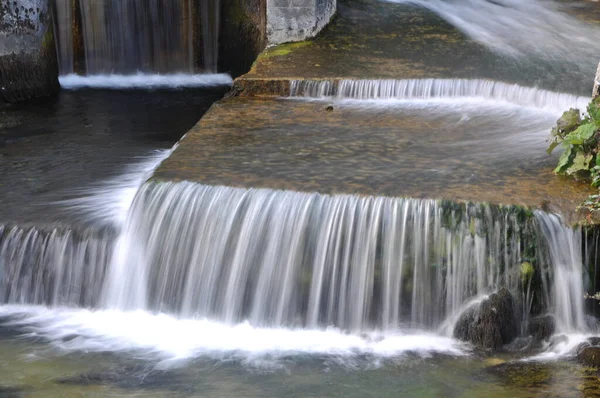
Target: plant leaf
x,y
581,162
581,134
563,162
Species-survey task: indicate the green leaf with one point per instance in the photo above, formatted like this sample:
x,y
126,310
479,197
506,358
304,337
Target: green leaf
x,y
581,134
563,162
594,112
581,162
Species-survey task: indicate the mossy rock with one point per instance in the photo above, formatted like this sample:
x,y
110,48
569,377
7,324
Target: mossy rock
x,y
589,356
490,325
542,327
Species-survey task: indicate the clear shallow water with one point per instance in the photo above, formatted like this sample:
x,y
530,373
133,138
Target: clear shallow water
x,y
30,366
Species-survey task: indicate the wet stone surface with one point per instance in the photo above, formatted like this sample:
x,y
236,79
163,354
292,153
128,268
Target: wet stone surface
x,y
429,150
374,39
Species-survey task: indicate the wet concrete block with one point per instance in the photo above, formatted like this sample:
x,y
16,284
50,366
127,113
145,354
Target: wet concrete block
x,y
297,20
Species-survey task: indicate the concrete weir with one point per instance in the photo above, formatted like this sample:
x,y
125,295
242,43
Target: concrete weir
x,y
258,138
378,112
28,65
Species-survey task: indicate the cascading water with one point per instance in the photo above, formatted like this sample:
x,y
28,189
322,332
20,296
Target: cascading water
x,y
130,36
156,43
564,250
281,258
433,89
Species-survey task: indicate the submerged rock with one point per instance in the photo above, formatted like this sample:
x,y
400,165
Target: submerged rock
x,y
490,325
541,327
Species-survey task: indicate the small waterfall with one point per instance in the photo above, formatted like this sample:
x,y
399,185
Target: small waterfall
x,y
283,258
124,37
291,262
55,266
426,89
564,252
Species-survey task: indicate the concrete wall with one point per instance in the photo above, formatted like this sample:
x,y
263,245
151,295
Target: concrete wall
x,y
243,34
296,20
28,66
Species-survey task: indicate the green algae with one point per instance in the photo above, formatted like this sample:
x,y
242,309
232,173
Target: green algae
x,y
283,49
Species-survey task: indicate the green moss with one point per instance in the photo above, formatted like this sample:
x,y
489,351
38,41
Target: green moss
x,y
48,40
527,272
283,49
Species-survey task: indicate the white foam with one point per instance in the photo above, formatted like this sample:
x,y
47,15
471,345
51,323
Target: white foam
x,y
144,81
561,346
473,92
168,338
110,200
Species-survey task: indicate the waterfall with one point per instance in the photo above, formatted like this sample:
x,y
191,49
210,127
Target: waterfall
x,y
564,251
54,266
428,89
218,258
282,258
124,37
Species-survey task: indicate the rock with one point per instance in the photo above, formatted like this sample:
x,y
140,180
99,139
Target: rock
x,y
589,356
569,121
490,325
542,327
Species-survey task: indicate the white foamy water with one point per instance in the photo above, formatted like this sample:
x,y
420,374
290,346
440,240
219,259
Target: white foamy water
x,y
161,336
144,81
561,346
564,250
110,200
474,90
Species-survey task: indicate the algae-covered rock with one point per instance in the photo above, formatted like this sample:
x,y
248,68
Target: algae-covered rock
x,y
490,325
569,120
589,356
542,327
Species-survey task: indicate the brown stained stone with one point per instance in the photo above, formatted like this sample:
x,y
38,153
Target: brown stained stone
x,y
302,146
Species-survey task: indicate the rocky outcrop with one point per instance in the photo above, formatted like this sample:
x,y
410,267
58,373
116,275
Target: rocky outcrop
x,y
28,64
491,324
542,327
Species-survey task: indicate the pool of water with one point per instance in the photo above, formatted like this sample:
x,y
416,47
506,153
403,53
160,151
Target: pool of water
x,y
72,146
30,367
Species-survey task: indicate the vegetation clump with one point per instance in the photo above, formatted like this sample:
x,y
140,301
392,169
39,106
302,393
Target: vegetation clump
x,y
580,138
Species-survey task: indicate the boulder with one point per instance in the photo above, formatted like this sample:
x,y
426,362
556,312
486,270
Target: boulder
x,y
589,356
491,324
542,327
